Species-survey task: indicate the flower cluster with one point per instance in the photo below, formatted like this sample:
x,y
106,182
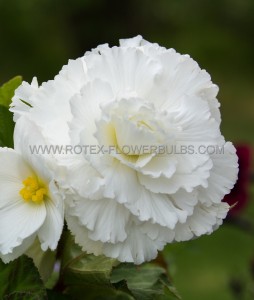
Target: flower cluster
x,y
125,205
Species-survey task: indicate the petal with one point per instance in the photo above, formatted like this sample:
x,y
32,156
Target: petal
x,y
81,235
12,172
51,230
157,208
133,42
204,220
186,180
23,98
19,250
209,94
121,183
133,161
158,232
106,219
85,108
52,109
19,220
28,138
74,73
185,201
137,248
131,138
128,70
191,129
180,76
223,174
84,179
118,179
160,165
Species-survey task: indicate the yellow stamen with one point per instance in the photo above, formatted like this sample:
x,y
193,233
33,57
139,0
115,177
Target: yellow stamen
x,y
33,190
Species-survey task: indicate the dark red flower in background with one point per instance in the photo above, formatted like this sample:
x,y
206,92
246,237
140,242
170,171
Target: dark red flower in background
x,y
240,193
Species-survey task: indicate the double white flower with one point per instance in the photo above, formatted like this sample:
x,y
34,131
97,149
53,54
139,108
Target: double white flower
x,y
129,205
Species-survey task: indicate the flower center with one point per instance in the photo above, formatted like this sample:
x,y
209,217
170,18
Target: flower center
x,y
33,190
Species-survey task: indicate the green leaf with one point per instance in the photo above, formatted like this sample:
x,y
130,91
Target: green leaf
x,y
54,295
43,260
6,127
170,292
91,292
85,276
7,90
146,282
79,267
20,280
6,117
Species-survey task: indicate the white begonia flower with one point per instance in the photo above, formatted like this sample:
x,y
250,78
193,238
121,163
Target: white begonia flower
x,y
30,203
127,199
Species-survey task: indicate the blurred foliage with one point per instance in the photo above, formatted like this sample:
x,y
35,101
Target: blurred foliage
x,y
6,117
7,90
37,37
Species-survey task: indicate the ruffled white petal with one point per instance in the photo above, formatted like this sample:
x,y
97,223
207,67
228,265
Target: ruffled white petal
x,y
121,183
137,248
223,174
81,233
51,109
23,99
83,179
128,70
204,220
106,219
133,42
86,109
186,180
160,165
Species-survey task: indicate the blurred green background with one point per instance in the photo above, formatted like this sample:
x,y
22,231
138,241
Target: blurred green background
x,y
37,37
